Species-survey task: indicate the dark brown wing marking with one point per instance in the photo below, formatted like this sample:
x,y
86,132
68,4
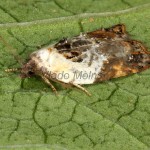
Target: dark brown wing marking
x,y
63,44
73,48
71,44
125,56
135,60
117,31
138,47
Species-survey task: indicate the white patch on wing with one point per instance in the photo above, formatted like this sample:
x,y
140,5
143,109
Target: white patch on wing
x,y
43,54
68,71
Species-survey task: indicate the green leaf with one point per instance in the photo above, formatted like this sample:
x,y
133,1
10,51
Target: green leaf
x,y
117,116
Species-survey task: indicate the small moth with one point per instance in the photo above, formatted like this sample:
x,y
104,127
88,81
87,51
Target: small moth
x,y
88,58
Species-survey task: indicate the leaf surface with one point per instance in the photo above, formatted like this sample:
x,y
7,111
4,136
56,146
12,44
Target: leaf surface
x,y
117,116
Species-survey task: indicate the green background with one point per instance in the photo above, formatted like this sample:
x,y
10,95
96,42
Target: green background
x,y
116,117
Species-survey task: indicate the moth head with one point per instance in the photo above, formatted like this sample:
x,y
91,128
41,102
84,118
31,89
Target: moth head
x,y
27,69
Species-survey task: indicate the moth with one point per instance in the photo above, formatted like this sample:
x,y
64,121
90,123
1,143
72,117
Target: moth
x,y
89,58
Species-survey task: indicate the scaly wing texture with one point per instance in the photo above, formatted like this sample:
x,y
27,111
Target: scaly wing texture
x,y
125,55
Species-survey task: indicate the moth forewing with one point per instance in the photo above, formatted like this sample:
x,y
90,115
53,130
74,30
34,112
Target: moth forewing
x,y
88,58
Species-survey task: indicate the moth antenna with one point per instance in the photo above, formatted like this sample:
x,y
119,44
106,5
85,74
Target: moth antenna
x,y
12,70
19,60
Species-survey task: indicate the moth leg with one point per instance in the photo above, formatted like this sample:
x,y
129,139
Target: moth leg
x,y
81,88
50,84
